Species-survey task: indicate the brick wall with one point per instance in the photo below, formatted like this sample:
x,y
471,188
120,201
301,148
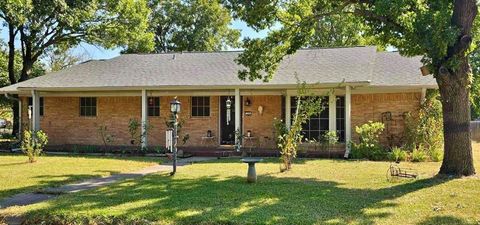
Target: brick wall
x,y
261,126
64,125
369,107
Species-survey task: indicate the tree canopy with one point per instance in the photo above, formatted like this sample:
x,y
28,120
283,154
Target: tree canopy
x,y
190,25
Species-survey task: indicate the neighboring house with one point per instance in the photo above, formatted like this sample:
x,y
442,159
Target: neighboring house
x,y
71,104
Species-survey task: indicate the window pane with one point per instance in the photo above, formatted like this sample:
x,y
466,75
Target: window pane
x,y
200,106
324,124
315,135
206,101
314,124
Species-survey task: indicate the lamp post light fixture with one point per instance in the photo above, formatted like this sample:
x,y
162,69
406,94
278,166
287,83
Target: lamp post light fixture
x,y
175,109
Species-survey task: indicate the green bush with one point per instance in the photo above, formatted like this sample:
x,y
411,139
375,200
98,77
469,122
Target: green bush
x,y
419,155
398,154
369,144
33,144
436,155
424,130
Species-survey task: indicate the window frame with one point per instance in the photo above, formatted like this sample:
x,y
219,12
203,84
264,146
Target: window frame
x,y
41,107
154,109
196,105
322,119
92,106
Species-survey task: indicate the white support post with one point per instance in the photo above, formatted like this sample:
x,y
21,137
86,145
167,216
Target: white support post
x,y
35,111
423,96
332,112
238,114
348,120
288,114
20,128
144,118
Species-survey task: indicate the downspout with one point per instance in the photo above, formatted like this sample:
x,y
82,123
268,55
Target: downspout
x,y
19,112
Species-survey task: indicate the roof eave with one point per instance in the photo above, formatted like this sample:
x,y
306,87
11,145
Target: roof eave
x,y
188,87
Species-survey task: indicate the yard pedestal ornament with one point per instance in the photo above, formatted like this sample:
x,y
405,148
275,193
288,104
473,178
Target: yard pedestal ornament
x,y
252,174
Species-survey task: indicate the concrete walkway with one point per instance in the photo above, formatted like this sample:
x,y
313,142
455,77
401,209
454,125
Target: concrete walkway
x,y
49,193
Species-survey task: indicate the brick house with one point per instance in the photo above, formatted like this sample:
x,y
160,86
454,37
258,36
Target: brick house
x,y
71,104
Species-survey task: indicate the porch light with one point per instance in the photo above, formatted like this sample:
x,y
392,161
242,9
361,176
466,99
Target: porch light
x,y
229,103
175,106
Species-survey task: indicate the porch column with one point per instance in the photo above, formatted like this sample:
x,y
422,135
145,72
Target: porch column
x,y
424,95
332,112
288,114
144,118
35,111
238,114
348,122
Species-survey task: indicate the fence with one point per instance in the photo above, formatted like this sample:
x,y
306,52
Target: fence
x,y
475,130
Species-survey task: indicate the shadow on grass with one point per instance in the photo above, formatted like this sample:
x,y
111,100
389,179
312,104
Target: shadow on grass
x,y
220,200
49,181
445,220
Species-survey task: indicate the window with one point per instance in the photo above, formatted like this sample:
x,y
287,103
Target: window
x,y
30,104
341,118
88,106
317,125
201,106
153,106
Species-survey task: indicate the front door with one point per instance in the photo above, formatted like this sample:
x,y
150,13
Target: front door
x,y
227,120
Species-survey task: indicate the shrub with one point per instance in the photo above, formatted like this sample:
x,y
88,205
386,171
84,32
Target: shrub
x,y
398,154
33,144
106,137
436,155
307,105
424,130
419,155
369,144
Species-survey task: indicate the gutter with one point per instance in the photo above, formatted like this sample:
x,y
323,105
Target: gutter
x,y
259,86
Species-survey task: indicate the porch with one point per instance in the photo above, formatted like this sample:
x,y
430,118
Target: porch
x,y
206,118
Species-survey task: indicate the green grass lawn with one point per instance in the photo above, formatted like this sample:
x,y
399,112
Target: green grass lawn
x,y
319,191
17,175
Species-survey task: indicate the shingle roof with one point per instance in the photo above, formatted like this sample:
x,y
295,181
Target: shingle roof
x,y
196,69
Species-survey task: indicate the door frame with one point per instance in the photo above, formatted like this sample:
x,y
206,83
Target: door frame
x,y
219,141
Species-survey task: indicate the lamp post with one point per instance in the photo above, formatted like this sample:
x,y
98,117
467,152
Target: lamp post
x,y
175,109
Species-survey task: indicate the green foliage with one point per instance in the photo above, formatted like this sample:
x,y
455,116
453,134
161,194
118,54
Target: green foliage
x,y
33,144
191,25
280,129
330,137
436,155
136,135
418,155
424,130
43,25
398,154
369,144
475,88
307,106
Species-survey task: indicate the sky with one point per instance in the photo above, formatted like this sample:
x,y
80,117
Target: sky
x,y
96,52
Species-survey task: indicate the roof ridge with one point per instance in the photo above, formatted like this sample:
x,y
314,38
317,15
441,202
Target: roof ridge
x,y
237,51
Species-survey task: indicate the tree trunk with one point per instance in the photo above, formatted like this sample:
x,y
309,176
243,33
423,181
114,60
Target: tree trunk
x,y
453,85
11,76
